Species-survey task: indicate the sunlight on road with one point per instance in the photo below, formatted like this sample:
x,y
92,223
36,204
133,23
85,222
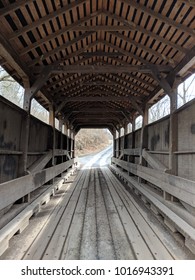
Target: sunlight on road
x,y
101,159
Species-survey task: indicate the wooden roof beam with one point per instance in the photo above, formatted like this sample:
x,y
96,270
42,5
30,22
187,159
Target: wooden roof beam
x,y
134,102
38,69
181,68
95,120
95,98
130,75
97,28
126,86
143,47
101,53
77,53
162,82
149,33
159,16
64,90
36,86
93,83
98,115
188,2
103,86
106,69
94,110
187,62
59,32
113,84
127,53
134,77
10,56
79,126
68,85
46,18
63,47
14,6
68,76
138,58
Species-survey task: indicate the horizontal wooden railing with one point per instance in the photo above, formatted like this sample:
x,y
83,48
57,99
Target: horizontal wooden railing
x,y
180,188
15,189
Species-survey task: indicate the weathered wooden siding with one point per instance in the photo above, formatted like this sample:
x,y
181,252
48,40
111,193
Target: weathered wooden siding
x,y
12,123
186,141
158,140
137,138
10,128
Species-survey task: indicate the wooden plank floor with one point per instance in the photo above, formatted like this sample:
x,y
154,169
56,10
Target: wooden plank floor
x,y
94,217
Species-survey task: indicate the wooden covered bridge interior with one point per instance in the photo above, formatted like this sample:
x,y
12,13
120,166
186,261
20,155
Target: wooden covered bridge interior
x,y
97,64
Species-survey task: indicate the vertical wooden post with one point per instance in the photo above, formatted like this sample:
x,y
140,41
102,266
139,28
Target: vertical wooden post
x,y
52,123
24,140
68,142
132,146
61,122
66,134
72,137
119,142
144,134
173,135
125,141
114,143
133,134
143,139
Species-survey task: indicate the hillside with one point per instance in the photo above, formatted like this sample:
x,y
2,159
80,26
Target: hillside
x,y
91,140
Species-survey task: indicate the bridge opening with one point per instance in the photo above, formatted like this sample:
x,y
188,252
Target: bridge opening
x,y
91,141
95,64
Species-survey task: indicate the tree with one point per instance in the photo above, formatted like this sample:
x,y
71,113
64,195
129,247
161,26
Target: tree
x,y
39,112
14,92
10,89
186,90
160,109
91,140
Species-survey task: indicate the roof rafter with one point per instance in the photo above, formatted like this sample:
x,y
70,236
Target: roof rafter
x,y
148,32
160,17
46,18
126,81
143,47
14,6
134,56
61,48
59,32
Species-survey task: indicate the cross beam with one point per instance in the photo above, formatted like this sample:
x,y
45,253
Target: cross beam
x,y
100,53
95,98
107,69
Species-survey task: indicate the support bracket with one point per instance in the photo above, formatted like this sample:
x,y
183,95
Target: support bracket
x,y
37,85
162,81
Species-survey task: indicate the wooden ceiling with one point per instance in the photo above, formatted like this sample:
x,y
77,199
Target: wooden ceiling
x,y
105,60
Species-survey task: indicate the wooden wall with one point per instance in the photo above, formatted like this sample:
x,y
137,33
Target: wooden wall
x,y
186,141
12,125
158,140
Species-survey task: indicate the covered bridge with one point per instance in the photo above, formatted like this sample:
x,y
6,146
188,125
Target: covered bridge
x,y
97,64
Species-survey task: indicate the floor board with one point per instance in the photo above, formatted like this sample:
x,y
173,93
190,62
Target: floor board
x,y
94,217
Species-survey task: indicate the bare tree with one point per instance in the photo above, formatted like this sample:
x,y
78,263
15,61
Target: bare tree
x,y
14,92
186,90
91,140
10,89
138,122
39,112
160,109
